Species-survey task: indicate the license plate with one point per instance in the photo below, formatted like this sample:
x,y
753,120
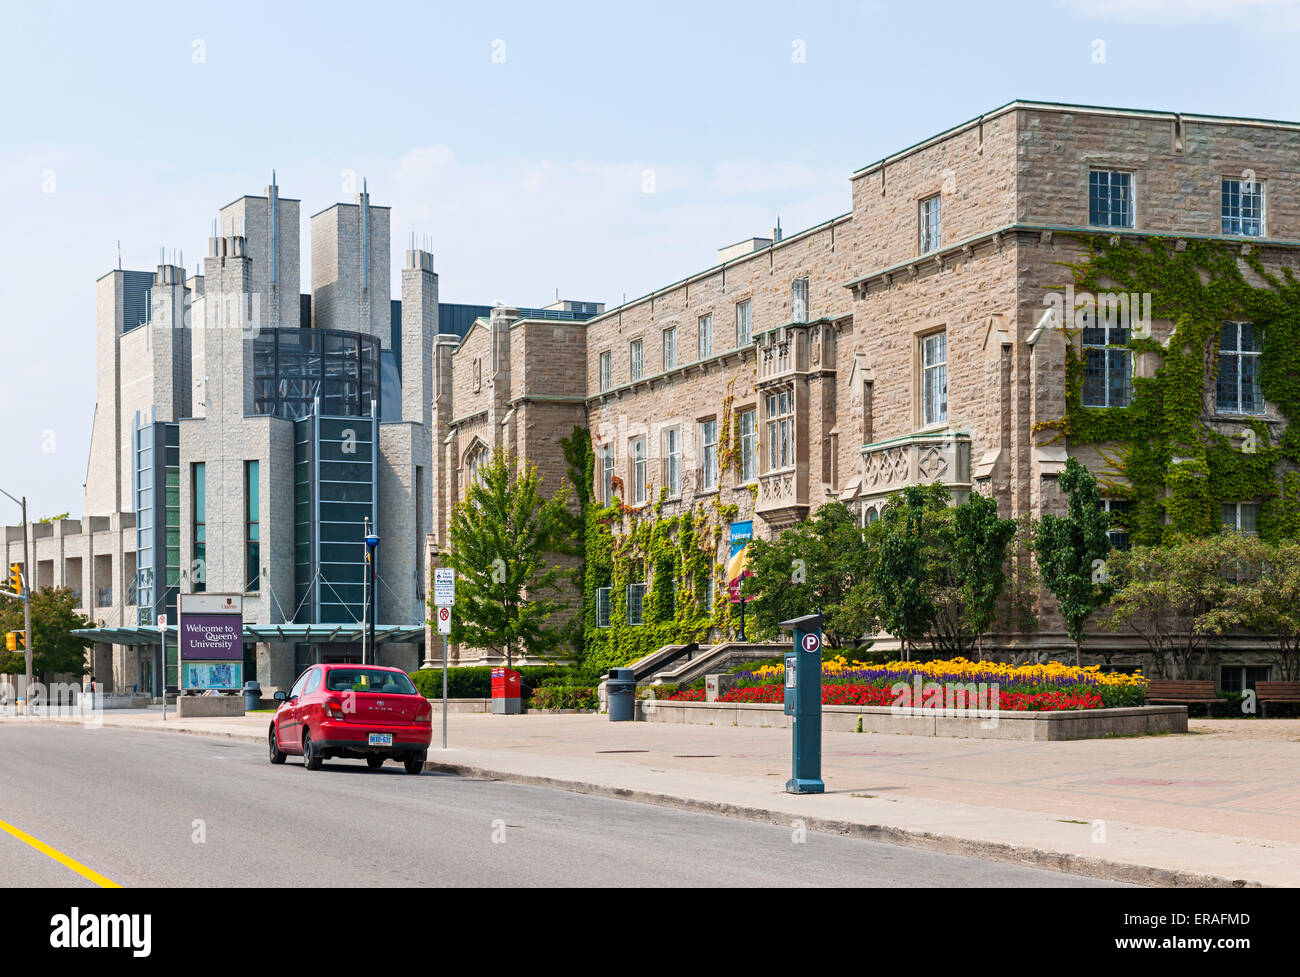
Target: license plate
x,y
381,739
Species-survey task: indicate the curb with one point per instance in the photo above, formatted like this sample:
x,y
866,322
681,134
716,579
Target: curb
x,y
1094,868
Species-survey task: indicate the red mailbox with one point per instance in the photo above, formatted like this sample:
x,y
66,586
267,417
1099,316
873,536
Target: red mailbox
x,y
505,691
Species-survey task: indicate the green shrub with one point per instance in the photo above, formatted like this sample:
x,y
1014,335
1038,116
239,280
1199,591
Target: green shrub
x,y
475,681
563,697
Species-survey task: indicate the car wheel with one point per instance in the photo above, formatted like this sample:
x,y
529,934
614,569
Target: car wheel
x,y
414,764
374,762
310,758
273,742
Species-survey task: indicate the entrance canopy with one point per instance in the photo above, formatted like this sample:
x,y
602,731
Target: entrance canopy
x,y
309,633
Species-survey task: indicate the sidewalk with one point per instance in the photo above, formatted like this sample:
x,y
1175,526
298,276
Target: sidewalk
x,y
1218,806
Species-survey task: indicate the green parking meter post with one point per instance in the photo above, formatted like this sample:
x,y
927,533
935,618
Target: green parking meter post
x,y
803,701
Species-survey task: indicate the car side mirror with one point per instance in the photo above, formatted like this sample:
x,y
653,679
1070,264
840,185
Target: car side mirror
x,y
281,696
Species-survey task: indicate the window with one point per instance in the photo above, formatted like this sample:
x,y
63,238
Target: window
x,y
710,594
871,516
635,353
706,337
252,529
748,445
670,349
780,430
673,461
931,225
607,474
1118,532
1239,678
475,462
1243,208
744,326
635,601
199,493
1237,390
638,471
1110,198
934,379
1243,517
606,363
602,607
1107,364
799,301
709,454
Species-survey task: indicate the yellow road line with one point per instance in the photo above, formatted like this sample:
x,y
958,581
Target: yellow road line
x,y
58,856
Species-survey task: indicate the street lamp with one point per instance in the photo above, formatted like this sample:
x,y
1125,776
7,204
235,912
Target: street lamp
x,y
27,607
372,544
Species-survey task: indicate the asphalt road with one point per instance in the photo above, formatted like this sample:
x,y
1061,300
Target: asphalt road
x,y
154,809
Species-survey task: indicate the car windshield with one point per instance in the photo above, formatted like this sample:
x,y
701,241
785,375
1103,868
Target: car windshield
x,y
368,680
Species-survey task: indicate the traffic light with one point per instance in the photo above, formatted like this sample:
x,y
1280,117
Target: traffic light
x,y
16,640
16,577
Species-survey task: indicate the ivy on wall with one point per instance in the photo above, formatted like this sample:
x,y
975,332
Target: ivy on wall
x,y
675,555
1175,468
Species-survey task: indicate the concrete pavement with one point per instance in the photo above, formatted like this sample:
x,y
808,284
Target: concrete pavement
x,y
1218,806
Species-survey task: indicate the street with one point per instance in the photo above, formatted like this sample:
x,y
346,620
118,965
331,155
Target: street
x,y
144,809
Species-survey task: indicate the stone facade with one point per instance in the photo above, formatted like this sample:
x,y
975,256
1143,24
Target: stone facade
x,y
1011,185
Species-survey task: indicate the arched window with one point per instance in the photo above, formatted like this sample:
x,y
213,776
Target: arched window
x,y
475,461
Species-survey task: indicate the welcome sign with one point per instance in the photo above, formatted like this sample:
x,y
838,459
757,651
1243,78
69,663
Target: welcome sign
x,y
211,640
212,637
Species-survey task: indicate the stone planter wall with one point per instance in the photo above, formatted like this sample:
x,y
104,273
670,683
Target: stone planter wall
x,y
1071,724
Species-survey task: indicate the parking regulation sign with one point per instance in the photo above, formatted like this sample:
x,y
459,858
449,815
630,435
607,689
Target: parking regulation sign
x,y
444,586
444,620
811,642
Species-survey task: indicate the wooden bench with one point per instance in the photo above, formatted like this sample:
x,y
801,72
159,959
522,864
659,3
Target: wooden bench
x,y
1181,692
1276,692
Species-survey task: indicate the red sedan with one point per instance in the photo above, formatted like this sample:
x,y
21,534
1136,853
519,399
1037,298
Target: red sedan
x,y
363,712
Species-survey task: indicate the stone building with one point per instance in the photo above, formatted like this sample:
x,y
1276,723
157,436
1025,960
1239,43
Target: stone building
x,y
907,341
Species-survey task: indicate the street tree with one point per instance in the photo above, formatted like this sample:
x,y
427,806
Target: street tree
x,y
900,576
812,566
55,650
1266,600
506,539
1168,595
1072,552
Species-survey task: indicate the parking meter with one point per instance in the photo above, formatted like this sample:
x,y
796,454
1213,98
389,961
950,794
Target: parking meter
x,y
803,701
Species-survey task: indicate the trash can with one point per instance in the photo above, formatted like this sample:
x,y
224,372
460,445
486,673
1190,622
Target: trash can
x,y
252,695
620,689
505,692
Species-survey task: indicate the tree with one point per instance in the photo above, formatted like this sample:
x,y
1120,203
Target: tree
x,y
811,567
979,559
1266,600
504,537
56,650
1072,551
1169,594
900,575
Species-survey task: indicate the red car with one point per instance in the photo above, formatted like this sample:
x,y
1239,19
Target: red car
x,y
363,712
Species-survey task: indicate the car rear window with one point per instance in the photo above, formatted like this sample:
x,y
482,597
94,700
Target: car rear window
x,y
368,680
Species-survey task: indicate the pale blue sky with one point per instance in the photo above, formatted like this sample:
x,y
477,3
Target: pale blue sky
x,y
526,174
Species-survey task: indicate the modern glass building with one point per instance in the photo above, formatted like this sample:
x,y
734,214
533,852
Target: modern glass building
x,y
294,368
156,494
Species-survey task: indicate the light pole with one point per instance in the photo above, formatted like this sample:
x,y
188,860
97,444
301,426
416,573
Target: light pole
x,y
27,607
372,544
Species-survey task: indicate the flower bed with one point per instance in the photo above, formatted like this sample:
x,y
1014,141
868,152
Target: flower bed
x,y
1033,688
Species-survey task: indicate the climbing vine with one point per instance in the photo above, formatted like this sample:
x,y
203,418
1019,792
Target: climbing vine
x,y
1174,467
728,449
675,555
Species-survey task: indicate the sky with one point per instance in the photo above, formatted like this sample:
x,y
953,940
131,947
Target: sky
x,y
599,150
